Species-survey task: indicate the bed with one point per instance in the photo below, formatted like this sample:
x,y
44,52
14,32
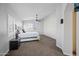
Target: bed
x,y
29,36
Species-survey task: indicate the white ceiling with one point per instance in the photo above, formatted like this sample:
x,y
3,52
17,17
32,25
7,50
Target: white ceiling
x,y
28,10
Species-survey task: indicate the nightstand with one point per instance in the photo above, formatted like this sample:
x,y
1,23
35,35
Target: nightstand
x,y
14,44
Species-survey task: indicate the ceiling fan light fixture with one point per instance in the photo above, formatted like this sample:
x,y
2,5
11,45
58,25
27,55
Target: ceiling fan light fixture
x,y
37,18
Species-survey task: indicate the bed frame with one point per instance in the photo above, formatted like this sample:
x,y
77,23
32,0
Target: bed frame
x,y
29,39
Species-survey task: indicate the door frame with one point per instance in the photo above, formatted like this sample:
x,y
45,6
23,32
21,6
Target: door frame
x,y
74,32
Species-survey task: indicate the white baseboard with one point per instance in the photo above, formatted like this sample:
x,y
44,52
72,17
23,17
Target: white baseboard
x,y
59,46
68,54
64,52
3,54
49,36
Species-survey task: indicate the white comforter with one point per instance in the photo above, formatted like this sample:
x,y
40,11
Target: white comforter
x,y
28,34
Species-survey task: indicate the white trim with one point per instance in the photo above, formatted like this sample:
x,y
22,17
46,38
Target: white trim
x,y
65,53
49,36
59,46
3,54
63,50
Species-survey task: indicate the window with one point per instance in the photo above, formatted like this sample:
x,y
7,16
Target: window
x,y
29,27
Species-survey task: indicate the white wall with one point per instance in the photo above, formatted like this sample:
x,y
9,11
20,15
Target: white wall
x,y
50,26
4,45
12,13
67,49
77,33
5,10
61,32
60,27
41,27
14,19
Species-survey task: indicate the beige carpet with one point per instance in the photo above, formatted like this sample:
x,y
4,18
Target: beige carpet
x,y
44,47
